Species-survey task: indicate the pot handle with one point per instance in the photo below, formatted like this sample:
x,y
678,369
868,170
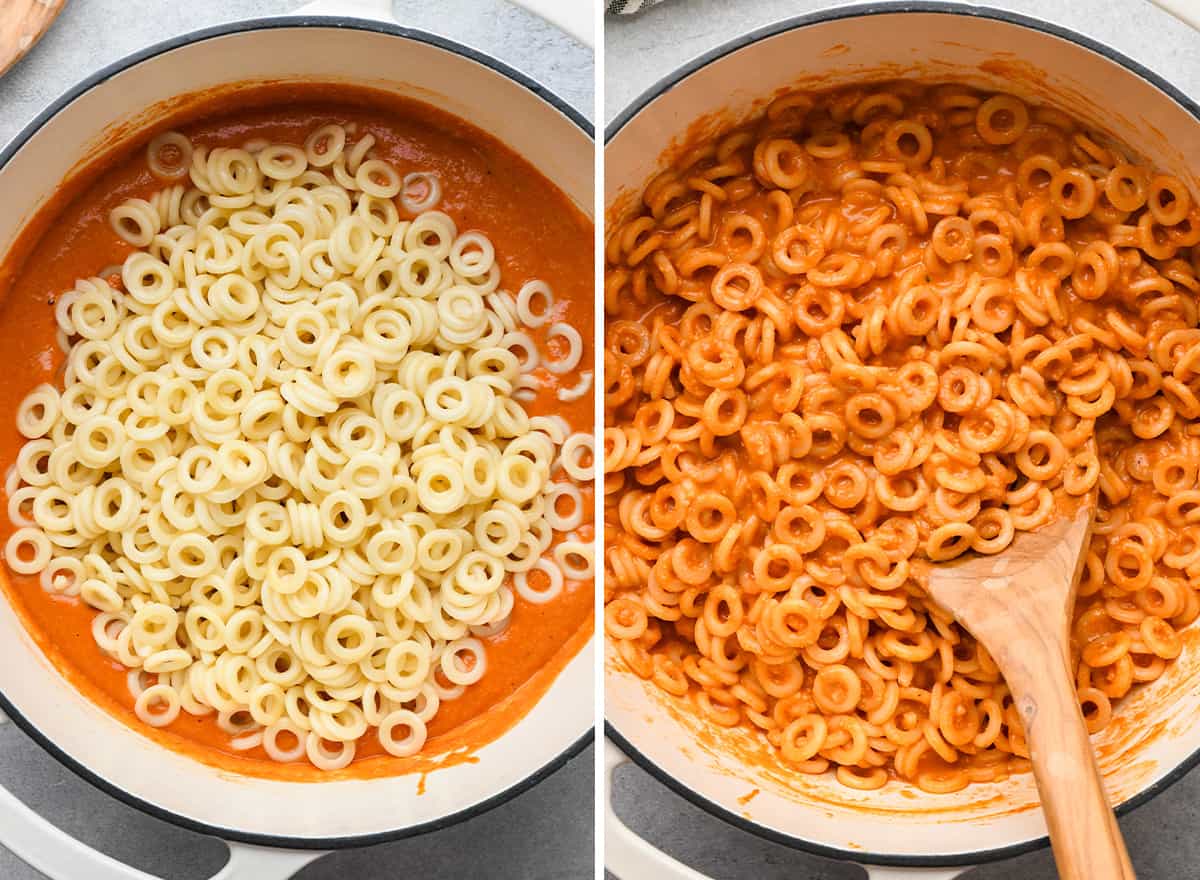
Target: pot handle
x,y
58,855
627,855
576,17
248,862
1187,11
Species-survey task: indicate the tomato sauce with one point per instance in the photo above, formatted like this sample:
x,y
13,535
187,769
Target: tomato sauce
x,y
537,232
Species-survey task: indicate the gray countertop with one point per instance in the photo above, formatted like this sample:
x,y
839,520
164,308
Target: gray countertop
x,y
543,834
641,49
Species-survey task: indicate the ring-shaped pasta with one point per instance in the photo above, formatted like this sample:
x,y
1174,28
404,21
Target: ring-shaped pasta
x,y
271,529
531,593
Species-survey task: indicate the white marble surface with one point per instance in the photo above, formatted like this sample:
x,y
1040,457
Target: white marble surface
x,y
641,49
543,834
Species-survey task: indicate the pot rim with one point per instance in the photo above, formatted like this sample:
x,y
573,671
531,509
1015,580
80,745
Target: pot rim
x,y
10,149
652,94
889,7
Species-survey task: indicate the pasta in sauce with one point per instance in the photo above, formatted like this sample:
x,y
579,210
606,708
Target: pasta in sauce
x,y
300,458
878,328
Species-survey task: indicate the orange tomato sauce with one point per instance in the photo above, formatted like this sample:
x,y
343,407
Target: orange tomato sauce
x,y
537,232
765,300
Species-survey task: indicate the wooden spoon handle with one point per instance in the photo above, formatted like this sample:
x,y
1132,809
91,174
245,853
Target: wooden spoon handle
x,y
1083,830
22,22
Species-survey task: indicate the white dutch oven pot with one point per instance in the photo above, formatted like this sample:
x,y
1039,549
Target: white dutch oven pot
x,y
895,832
280,826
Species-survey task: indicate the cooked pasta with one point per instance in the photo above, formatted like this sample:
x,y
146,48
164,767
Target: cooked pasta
x,y
286,464
874,329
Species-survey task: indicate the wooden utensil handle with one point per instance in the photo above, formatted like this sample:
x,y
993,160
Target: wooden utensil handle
x,y
1083,830
22,22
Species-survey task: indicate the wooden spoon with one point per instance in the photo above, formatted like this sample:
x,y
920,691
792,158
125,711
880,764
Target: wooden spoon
x,y
22,23
1018,604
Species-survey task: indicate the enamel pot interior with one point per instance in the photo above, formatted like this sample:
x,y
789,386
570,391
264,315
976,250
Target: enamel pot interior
x,y
120,759
1153,738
